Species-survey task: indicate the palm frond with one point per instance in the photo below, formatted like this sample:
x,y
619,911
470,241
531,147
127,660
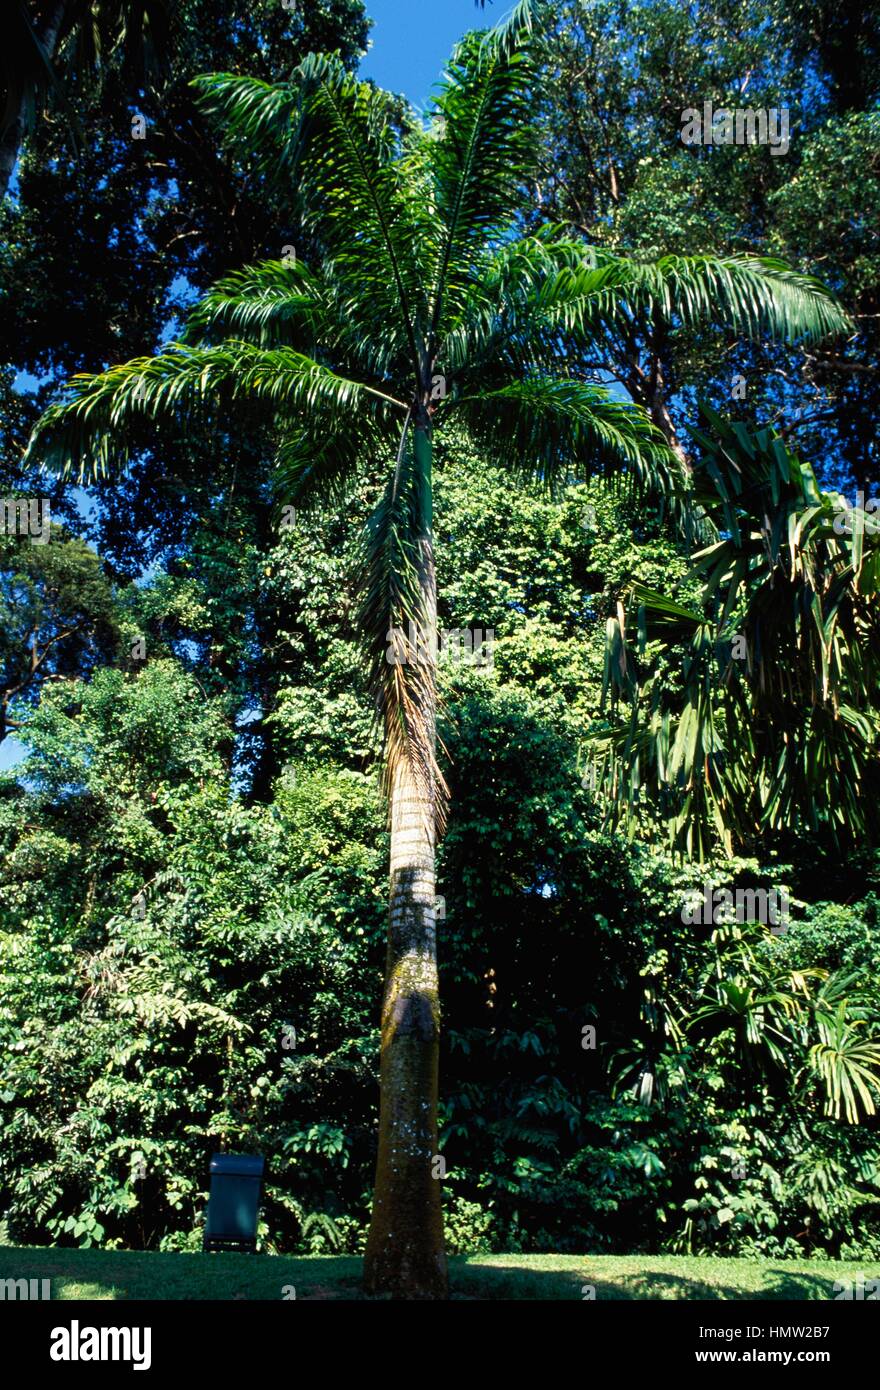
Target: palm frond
x,y
771,724
89,432
258,118
557,294
286,303
756,296
848,1064
517,24
317,461
549,427
361,189
266,304
482,160
533,300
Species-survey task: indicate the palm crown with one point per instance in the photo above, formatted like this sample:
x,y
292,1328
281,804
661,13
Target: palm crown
x,y
426,307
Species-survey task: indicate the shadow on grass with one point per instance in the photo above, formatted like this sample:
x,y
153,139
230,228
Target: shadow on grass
x,y
138,1275
101,1275
525,1283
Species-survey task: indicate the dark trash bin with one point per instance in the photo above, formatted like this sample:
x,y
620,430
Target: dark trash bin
x,y
234,1203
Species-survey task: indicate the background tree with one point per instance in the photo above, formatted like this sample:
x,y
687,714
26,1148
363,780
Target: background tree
x,y
617,77
46,43
57,617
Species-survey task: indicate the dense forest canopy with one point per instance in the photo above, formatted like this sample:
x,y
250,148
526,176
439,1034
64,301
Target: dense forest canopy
x,y
680,694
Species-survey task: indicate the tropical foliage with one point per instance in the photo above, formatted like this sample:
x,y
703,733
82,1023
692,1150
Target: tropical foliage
x,y
774,718
335,367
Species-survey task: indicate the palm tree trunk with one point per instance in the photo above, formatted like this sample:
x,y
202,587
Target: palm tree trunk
x,y
405,1255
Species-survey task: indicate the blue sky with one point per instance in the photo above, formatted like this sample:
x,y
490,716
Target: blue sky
x,y
10,752
412,40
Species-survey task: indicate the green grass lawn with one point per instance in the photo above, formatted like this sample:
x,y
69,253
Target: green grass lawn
x,y
100,1274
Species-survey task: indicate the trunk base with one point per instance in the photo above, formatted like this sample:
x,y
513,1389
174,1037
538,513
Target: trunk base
x,y
402,1275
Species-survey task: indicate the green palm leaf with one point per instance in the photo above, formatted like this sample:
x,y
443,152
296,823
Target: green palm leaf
x,y
552,426
357,184
87,433
481,162
848,1065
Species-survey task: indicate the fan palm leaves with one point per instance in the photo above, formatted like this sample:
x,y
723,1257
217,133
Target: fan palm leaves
x,y
424,305
779,662
785,1020
740,991
848,1063
845,1058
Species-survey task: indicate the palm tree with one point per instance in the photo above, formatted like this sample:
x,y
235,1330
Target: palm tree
x,y
774,722
426,308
